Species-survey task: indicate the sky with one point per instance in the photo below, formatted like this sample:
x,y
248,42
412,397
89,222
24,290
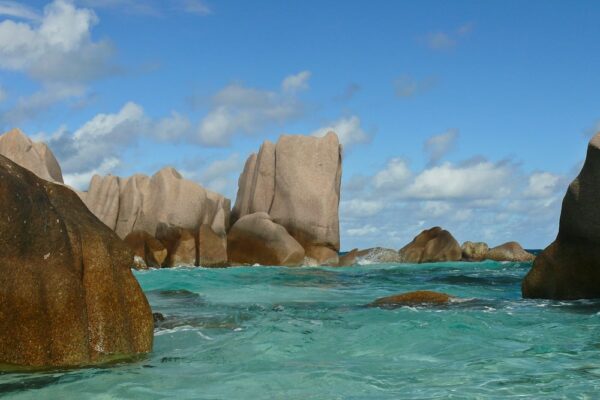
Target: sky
x,y
470,115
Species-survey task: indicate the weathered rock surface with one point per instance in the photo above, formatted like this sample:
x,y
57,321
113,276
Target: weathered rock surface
x,y
34,156
180,244
419,297
474,251
431,245
349,259
255,238
379,255
510,251
150,250
570,267
142,203
297,182
212,247
67,294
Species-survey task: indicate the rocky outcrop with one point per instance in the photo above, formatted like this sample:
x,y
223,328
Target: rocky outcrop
x,y
431,245
180,244
348,259
378,255
510,251
474,251
34,156
142,203
420,297
297,182
151,252
570,267
256,239
212,247
67,294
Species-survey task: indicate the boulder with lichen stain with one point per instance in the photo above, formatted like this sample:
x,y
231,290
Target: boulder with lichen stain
x,y
67,294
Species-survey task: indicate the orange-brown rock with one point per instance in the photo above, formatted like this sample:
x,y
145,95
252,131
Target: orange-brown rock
x,y
510,251
431,245
180,244
474,251
418,297
212,247
570,267
256,239
67,294
147,248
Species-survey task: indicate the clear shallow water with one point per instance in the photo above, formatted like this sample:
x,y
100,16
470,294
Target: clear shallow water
x,y
262,333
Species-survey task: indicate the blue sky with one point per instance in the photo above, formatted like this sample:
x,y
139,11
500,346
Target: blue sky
x,y
471,115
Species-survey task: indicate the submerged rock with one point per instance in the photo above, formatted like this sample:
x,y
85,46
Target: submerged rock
x,y
510,251
474,251
297,182
570,267
418,297
34,156
67,294
255,238
431,245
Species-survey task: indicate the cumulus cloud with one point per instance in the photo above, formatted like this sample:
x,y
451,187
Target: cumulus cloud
x,y
57,49
17,10
348,129
438,146
173,127
81,180
478,199
408,86
237,109
296,83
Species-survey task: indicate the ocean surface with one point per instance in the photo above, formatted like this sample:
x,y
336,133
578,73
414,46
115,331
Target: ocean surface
x,y
305,333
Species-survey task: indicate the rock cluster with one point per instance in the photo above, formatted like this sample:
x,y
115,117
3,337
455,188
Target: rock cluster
x,y
296,182
510,251
189,221
67,294
570,267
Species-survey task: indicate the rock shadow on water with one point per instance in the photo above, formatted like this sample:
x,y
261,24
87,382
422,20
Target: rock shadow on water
x,y
470,280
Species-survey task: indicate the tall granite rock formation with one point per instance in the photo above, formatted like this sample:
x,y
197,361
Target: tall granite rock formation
x,y
67,294
570,267
297,183
142,203
34,156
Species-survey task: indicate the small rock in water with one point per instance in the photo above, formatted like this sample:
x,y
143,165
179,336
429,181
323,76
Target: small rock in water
x,y
158,317
420,297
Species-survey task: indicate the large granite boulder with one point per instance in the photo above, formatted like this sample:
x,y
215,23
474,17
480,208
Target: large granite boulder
x,y
297,182
431,245
142,203
570,267
474,251
67,294
180,244
510,251
150,252
256,239
34,156
212,247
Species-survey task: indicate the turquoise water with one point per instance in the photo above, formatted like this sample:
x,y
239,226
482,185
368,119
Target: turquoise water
x,y
304,333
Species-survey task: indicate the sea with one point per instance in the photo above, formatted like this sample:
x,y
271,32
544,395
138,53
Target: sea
x,y
308,333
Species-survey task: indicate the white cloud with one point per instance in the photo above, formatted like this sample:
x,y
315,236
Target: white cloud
x,y
237,109
361,207
362,231
81,180
440,41
58,49
483,179
17,10
542,184
172,127
197,7
152,8
394,176
407,86
348,129
438,146
296,83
